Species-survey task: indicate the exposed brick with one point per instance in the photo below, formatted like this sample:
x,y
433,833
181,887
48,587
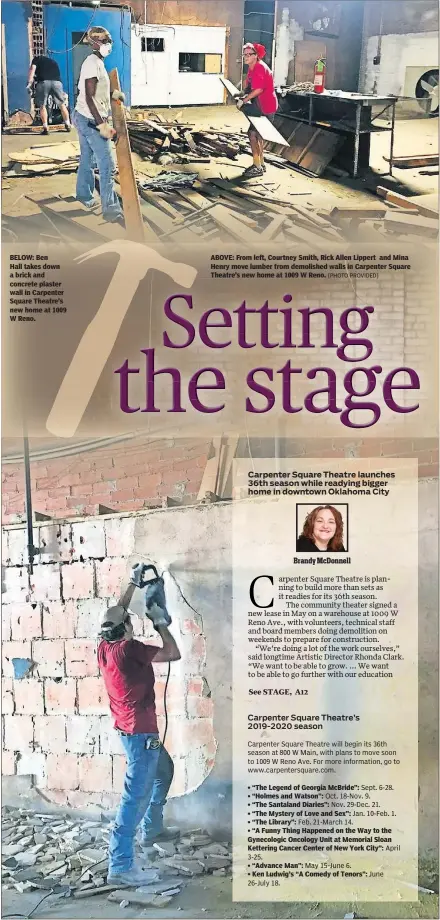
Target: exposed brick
x,y
95,773
50,734
45,582
17,547
200,707
60,697
28,696
82,734
78,580
7,696
104,486
33,764
18,733
148,485
12,650
190,626
118,773
194,686
88,540
16,586
88,616
55,542
92,696
8,763
48,655
109,742
62,771
59,620
81,659
110,575
26,621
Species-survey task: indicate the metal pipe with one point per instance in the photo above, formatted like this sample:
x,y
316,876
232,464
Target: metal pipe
x,y
32,551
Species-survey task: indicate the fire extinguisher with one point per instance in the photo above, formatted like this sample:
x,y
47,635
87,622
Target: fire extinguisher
x,y
319,76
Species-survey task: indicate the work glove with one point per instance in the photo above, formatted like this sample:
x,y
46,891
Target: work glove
x,y
155,603
106,131
118,96
29,87
240,103
137,575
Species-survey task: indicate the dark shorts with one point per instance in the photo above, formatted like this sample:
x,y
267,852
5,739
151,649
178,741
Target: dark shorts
x,y
253,109
49,88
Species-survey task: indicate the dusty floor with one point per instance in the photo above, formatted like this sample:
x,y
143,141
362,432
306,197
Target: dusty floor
x,y
211,899
412,137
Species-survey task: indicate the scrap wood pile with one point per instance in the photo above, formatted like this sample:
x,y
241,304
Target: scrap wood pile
x,y
44,159
68,856
172,142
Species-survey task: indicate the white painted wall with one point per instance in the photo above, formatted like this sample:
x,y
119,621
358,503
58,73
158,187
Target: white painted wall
x,y
155,76
397,53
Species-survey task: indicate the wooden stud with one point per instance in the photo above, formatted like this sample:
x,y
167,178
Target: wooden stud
x,y
130,198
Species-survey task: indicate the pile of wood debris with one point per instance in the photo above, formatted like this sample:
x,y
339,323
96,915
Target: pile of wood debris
x,y
167,142
44,159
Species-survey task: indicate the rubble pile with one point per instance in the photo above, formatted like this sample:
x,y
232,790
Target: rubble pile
x,y
171,142
69,856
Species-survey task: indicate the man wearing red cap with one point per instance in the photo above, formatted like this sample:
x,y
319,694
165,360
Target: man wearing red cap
x,y
259,99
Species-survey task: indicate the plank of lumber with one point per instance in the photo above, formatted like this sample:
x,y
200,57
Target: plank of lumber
x,y
227,454
411,223
427,205
412,162
202,203
273,228
261,124
130,197
211,472
395,198
75,222
190,141
360,211
232,224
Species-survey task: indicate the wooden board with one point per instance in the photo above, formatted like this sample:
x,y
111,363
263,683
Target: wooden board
x,y
73,220
360,211
261,124
233,224
411,223
413,162
320,152
130,198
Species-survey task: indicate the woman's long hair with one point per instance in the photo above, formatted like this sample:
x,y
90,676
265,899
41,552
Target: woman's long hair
x,y
336,541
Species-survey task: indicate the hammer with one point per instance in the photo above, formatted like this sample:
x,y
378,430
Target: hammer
x,y
95,347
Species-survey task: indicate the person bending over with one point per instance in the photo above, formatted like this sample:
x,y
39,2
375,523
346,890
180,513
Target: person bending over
x,y
126,667
46,74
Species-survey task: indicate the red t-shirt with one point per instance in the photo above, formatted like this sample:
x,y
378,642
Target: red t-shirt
x,y
261,77
129,681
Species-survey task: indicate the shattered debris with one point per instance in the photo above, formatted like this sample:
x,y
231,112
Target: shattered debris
x,y
44,159
42,851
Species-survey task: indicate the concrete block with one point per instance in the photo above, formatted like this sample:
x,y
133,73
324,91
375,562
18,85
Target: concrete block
x,y
12,650
7,610
62,771
109,741
25,621
16,584
55,542
34,765
60,696
78,580
59,620
95,773
92,696
17,552
18,733
88,617
88,540
111,575
81,660
119,535
178,785
197,767
28,696
50,734
8,765
7,696
48,655
82,735
46,583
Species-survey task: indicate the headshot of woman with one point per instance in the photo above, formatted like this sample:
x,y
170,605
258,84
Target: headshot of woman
x,y
322,532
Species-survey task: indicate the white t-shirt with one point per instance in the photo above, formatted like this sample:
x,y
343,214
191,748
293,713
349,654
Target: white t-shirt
x,y
93,66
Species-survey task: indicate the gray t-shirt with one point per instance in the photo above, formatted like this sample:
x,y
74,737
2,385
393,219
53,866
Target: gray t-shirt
x,y
93,66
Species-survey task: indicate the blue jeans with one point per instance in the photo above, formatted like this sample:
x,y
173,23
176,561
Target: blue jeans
x,y
95,151
147,780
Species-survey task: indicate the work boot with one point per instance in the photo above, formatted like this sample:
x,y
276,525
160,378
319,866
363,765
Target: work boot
x,y
45,131
254,172
136,877
167,833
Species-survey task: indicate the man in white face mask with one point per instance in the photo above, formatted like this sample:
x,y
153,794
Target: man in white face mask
x,y
95,133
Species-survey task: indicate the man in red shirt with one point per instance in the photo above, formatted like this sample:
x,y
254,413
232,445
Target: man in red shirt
x,y
126,666
259,99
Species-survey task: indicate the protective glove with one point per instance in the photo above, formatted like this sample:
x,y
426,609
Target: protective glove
x,y
118,96
155,603
29,87
137,574
240,103
106,131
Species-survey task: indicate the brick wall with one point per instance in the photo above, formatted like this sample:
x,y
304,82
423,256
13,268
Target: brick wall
x,y
56,725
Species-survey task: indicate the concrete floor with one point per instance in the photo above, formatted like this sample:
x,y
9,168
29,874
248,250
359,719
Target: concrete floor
x,y
210,898
415,136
